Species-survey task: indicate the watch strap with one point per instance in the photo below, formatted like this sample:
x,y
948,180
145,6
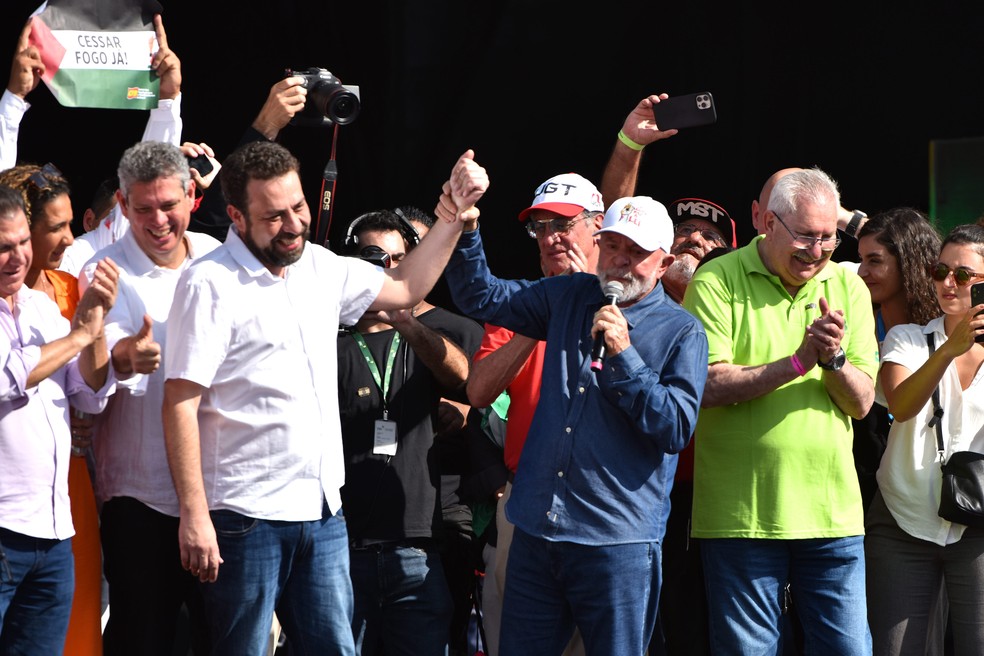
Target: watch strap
x,y
851,230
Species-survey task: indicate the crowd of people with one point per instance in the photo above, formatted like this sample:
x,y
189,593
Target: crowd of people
x,y
263,445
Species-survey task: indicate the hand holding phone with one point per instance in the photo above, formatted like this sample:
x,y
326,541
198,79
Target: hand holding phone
x,y
976,298
687,111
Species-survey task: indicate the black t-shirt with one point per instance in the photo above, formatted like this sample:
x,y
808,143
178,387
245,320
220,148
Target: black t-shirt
x,y
394,497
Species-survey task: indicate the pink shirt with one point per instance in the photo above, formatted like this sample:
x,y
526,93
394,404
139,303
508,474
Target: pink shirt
x,y
35,442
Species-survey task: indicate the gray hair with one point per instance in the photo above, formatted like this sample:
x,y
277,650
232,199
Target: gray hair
x,y
807,186
149,160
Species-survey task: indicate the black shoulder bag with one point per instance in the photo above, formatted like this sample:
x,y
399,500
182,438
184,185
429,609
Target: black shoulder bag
x,y
962,496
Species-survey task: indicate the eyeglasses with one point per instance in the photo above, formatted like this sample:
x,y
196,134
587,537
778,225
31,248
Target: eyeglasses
x,y
961,275
42,179
536,229
805,242
687,229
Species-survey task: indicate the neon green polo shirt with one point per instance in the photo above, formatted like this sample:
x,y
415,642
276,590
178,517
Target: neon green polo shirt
x,y
779,466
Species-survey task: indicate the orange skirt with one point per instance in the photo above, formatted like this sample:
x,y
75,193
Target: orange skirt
x,y
85,623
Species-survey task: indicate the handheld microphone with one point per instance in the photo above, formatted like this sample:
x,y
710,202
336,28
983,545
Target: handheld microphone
x,y
613,292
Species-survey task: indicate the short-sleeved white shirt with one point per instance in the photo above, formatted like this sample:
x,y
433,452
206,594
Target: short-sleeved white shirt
x,y
131,460
909,476
265,349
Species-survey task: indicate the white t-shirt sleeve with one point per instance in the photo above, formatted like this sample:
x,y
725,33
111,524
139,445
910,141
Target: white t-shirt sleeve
x,y
198,331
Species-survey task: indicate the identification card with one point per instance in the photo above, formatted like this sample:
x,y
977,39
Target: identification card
x,y
384,440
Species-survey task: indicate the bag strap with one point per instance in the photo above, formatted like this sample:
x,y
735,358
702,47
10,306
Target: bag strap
x,y
937,417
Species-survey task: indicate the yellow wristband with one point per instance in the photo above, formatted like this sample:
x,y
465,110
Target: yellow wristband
x,y
628,142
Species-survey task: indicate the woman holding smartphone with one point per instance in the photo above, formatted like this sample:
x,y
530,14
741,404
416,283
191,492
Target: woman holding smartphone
x,y
909,549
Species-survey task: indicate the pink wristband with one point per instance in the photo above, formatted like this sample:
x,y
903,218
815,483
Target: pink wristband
x,y
797,365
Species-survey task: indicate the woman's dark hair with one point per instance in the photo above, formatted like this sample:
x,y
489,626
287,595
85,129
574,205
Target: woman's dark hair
x,y
915,243
37,185
970,234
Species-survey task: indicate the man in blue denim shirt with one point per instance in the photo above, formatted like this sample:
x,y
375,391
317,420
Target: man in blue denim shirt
x,y
592,488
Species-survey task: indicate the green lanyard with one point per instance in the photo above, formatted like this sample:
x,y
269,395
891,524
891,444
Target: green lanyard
x,y
382,383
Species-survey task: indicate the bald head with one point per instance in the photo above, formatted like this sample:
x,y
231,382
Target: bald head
x,y
762,204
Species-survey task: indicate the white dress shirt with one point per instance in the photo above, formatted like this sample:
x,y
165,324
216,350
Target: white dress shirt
x,y
35,440
265,349
131,460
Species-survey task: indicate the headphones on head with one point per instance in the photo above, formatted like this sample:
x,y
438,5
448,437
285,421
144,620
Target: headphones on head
x,y
406,228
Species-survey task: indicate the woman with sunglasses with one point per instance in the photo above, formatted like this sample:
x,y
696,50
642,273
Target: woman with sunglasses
x,y
910,551
896,248
49,211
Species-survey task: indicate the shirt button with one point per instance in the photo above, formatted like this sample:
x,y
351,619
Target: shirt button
x,y
561,474
580,390
567,430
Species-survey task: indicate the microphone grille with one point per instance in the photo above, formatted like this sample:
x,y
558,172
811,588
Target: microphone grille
x,y
613,288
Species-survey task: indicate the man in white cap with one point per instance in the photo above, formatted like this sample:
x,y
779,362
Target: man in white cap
x,y
590,498
565,213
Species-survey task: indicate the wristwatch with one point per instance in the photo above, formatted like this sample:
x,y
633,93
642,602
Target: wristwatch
x,y
851,230
835,363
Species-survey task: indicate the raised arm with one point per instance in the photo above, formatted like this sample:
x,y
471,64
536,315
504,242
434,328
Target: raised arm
x,y
409,283
25,74
638,131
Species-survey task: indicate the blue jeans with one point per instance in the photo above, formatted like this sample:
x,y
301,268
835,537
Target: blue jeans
x,y
609,592
402,603
745,579
298,569
37,581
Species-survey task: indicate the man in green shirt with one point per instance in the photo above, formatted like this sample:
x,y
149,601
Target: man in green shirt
x,y
792,358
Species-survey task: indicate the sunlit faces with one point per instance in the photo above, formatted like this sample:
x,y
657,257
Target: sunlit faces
x,y
954,298
51,232
795,266
277,222
693,239
159,212
879,270
390,241
15,253
554,245
638,270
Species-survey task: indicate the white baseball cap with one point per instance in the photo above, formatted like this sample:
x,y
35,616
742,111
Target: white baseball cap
x,y
567,194
641,219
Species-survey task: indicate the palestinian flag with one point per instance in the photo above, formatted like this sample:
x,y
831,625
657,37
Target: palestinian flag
x,y
97,52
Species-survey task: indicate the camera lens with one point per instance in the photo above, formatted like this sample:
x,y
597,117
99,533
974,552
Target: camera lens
x,y
335,101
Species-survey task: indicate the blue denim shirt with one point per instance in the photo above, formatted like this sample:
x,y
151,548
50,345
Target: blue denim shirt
x,y
598,463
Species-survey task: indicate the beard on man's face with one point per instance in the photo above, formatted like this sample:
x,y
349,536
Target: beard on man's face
x,y
268,255
634,287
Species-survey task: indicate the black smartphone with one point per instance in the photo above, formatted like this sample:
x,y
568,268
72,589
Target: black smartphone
x,y
687,111
976,298
201,164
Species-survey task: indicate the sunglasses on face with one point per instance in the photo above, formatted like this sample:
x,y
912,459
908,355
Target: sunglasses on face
x,y
961,275
536,229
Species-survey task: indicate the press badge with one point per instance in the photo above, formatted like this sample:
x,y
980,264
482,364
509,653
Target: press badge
x,y
384,440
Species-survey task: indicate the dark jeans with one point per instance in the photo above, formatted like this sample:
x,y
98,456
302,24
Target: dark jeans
x,y
147,585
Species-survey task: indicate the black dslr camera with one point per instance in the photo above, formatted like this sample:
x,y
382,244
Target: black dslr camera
x,y
376,255
328,100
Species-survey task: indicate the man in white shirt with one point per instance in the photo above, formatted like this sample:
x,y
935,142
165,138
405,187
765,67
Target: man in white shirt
x,y
47,364
139,516
251,406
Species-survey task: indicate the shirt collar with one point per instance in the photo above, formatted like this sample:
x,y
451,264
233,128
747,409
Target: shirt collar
x,y
141,262
249,262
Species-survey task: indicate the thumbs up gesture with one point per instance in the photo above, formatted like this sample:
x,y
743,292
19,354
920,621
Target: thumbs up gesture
x,y
138,354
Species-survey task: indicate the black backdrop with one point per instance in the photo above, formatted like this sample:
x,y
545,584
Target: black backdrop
x,y
541,87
